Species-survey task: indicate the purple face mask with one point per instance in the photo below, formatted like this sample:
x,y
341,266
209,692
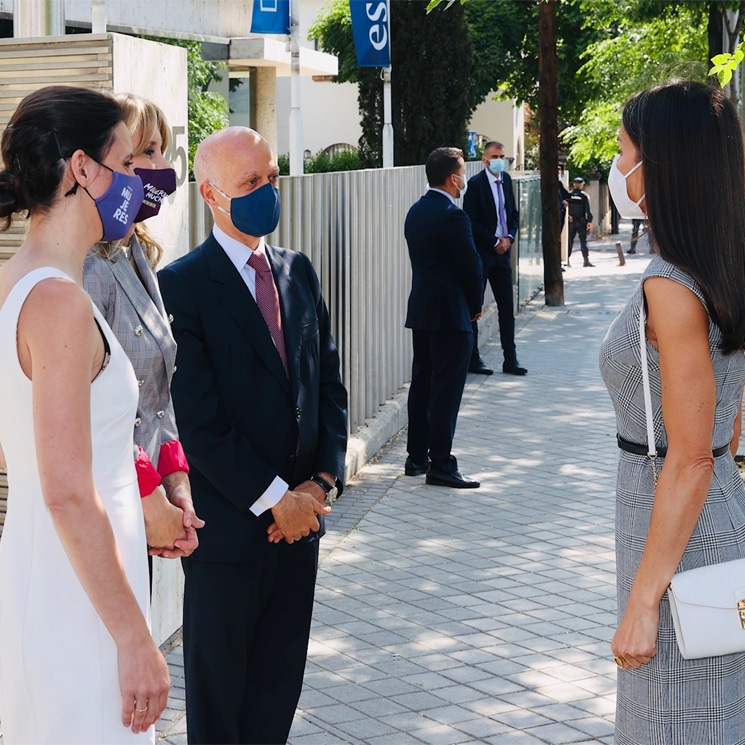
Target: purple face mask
x,y
118,205
158,183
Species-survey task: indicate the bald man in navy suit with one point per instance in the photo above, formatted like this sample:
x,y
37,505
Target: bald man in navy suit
x,y
262,414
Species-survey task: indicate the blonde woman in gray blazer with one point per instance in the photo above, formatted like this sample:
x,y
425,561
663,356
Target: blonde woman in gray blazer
x,y
120,279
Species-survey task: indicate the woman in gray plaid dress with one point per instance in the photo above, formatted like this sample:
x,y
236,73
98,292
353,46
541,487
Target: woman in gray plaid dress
x,y
694,292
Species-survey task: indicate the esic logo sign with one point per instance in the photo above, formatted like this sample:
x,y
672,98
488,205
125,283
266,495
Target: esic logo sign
x,y
378,33
372,39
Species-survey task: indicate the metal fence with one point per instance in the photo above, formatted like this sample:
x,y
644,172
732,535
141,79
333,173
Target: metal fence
x,y
351,225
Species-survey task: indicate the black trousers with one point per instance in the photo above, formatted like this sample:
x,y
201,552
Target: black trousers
x,y
578,227
500,279
438,375
246,629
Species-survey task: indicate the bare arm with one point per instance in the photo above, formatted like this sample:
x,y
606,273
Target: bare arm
x,y
688,403
61,351
736,431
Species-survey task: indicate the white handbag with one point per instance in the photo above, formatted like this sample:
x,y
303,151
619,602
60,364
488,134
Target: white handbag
x,y
707,603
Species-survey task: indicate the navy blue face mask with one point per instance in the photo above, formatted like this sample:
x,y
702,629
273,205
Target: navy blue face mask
x,y
255,214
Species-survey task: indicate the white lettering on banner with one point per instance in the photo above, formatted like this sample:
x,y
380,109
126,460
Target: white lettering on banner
x,y
269,6
378,32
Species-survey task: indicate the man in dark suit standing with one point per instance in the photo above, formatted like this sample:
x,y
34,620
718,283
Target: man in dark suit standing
x,y
262,415
445,297
490,203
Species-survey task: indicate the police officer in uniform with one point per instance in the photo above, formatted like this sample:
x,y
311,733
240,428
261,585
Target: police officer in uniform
x,y
580,219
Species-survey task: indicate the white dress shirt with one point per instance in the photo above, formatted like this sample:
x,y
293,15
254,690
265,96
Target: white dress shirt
x,y
496,185
239,254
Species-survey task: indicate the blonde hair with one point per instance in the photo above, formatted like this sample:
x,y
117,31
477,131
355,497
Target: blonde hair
x,y
139,113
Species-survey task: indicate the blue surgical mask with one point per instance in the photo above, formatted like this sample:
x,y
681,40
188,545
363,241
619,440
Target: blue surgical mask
x,y
118,205
255,214
497,165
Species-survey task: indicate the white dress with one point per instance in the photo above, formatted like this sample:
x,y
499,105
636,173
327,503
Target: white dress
x,y
58,663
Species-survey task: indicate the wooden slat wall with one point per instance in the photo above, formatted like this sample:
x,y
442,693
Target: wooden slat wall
x,y
26,66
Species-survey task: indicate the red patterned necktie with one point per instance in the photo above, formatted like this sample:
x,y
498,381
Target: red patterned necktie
x,y
267,299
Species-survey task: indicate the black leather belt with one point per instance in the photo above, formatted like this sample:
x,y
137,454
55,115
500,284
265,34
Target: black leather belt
x,y
632,447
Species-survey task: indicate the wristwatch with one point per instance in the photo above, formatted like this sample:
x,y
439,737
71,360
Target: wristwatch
x,y
330,489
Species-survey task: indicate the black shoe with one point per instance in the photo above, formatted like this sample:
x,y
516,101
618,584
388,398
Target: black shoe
x,y
513,368
415,469
455,479
587,263
479,368
631,251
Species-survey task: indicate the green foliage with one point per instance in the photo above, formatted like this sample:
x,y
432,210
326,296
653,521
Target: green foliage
x,y
725,64
634,55
433,91
333,32
208,111
344,160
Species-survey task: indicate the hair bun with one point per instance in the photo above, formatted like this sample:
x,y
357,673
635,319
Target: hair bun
x,y
9,202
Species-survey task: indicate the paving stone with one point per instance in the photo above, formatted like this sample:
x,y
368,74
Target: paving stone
x,y
489,623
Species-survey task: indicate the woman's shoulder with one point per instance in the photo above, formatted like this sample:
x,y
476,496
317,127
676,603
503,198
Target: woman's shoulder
x,y
659,267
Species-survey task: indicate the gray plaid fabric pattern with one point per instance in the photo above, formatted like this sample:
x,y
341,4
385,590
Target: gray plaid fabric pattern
x,y
134,309
672,701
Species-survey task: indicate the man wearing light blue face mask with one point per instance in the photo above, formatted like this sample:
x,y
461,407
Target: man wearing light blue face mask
x,y
490,203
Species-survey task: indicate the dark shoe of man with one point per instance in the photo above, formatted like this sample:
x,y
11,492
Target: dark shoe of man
x,y
479,368
415,469
456,480
631,251
513,368
587,263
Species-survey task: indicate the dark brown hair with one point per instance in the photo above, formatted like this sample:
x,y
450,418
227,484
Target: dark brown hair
x,y
691,148
48,126
441,163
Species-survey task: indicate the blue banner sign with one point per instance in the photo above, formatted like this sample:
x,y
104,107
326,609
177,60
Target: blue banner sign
x,y
271,17
371,30
473,144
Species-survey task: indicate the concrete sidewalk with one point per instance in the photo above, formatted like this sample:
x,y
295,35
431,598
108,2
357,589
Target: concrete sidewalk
x,y
480,616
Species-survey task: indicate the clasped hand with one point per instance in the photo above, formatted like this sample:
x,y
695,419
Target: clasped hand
x,y
295,515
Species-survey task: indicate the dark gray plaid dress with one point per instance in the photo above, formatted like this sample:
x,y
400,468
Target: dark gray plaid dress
x,y
672,701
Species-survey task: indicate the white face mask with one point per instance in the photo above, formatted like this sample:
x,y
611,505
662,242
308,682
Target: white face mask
x,y
464,188
626,206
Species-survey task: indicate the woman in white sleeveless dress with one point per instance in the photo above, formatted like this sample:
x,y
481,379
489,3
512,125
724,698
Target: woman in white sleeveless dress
x,y
77,662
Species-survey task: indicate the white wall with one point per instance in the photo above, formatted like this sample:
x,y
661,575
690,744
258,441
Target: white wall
x,y
504,122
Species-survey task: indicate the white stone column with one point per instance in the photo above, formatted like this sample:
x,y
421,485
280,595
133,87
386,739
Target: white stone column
x,y
264,103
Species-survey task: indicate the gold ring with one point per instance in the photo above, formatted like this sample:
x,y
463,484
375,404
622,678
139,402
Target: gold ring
x,y
140,710
619,661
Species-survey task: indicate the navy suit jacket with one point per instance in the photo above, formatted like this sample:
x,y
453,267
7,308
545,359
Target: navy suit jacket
x,y
241,421
479,206
446,270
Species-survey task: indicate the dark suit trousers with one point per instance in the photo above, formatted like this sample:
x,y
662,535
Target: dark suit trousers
x,y
438,375
500,279
578,227
246,629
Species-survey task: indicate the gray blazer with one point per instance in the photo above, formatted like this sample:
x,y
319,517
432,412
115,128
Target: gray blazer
x,y
134,310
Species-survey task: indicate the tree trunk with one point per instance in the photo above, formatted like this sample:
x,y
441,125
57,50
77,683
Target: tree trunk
x,y
548,157
714,29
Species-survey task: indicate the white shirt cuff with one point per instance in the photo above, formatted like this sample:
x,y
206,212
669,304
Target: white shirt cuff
x,y
274,492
